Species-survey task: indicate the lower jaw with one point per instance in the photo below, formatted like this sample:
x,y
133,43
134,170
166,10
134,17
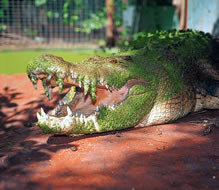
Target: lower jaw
x,y
80,117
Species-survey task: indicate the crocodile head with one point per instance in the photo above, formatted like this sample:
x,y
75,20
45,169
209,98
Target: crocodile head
x,y
105,94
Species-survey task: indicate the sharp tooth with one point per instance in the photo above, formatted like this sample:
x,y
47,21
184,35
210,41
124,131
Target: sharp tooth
x,y
93,89
77,120
93,95
102,81
80,84
112,107
61,103
60,87
107,86
97,109
95,113
42,112
39,116
80,79
72,75
50,93
96,125
76,114
33,79
69,111
86,85
81,118
58,108
86,88
45,86
85,120
49,77
35,85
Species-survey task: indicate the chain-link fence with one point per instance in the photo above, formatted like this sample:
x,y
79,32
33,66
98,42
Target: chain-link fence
x,y
51,23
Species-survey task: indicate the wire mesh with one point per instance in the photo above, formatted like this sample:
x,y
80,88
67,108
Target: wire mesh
x,y
48,23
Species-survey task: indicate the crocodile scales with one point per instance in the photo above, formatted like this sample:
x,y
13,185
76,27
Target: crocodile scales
x,y
160,78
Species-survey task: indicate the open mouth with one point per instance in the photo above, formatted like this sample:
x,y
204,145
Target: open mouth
x,y
79,105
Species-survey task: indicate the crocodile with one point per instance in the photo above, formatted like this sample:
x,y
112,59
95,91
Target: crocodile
x,y
159,78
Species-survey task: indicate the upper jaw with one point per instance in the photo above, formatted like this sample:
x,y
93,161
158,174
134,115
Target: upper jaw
x,y
90,74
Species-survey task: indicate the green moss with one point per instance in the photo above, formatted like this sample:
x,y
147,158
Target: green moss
x,y
49,130
128,114
81,128
71,93
138,89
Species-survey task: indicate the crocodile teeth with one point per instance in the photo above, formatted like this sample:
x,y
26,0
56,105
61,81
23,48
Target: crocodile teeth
x,y
93,89
72,75
69,111
35,85
61,103
49,77
112,107
39,117
97,109
80,84
81,118
94,119
85,121
102,81
60,87
107,86
42,112
50,93
58,108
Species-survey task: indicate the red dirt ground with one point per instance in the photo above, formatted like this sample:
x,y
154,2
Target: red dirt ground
x,y
173,156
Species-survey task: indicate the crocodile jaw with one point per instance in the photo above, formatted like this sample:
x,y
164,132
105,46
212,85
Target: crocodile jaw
x,y
79,109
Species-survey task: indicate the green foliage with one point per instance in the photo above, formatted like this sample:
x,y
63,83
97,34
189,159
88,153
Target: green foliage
x,y
30,32
51,14
4,4
39,3
71,16
3,27
96,21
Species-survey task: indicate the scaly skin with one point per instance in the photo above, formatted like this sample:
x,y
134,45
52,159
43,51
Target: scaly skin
x,y
160,78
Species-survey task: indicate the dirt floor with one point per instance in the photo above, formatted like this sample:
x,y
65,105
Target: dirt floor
x,y
182,156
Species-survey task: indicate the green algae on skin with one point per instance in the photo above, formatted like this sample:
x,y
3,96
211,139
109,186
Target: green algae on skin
x,y
49,130
128,114
71,93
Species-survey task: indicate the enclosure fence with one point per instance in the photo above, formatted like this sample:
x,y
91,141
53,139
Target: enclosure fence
x,y
51,23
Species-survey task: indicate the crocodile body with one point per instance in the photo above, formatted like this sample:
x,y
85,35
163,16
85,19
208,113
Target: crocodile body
x,y
159,79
